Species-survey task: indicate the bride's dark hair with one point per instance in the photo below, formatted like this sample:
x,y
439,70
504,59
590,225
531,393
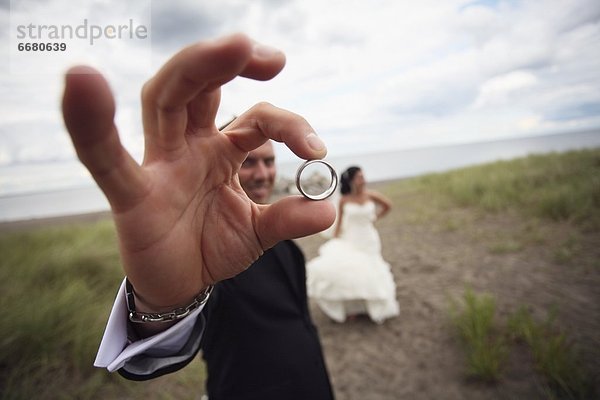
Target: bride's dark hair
x,y
346,179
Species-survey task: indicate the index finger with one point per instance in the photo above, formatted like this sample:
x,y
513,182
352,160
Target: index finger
x,y
265,121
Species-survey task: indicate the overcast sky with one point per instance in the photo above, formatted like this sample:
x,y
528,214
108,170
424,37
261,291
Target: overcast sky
x,y
368,75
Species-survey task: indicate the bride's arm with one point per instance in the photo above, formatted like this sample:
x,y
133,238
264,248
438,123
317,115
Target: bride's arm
x,y
384,204
338,224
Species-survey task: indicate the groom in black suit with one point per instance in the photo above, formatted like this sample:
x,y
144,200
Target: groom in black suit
x,y
260,342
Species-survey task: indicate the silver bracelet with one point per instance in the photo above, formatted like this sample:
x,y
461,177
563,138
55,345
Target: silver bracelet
x,y
173,315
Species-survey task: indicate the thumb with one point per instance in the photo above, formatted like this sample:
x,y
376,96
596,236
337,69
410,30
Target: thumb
x,y
88,106
88,109
293,217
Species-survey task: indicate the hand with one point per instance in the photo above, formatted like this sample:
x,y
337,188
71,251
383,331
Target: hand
x,y
182,218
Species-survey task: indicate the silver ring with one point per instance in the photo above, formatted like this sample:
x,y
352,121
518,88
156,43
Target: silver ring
x,y
328,192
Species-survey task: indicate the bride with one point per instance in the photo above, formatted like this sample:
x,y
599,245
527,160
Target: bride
x,y
349,276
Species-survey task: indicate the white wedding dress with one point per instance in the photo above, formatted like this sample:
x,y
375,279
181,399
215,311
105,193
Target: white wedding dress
x,y
350,276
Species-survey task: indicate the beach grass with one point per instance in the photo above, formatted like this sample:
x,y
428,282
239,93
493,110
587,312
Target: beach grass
x,y
555,357
484,345
555,186
57,284
487,342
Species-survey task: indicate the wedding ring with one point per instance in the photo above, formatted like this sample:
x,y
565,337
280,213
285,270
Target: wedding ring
x,y
332,184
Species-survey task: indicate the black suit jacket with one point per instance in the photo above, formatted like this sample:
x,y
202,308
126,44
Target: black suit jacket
x,y
259,341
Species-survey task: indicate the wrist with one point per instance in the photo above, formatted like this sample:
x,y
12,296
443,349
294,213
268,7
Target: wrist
x,y
142,311
142,304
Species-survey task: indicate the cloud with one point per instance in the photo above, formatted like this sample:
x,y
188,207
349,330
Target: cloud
x,y
176,23
500,90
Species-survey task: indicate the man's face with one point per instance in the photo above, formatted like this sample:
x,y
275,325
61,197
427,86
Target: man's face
x,y
257,174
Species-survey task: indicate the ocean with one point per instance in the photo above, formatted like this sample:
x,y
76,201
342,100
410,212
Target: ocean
x,y
376,166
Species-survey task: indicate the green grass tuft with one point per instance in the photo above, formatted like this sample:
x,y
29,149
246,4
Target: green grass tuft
x,y
474,321
555,358
487,346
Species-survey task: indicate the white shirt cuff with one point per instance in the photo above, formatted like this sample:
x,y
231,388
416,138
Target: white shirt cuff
x,y
114,349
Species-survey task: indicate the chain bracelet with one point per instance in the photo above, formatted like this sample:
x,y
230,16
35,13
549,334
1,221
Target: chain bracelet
x,y
173,315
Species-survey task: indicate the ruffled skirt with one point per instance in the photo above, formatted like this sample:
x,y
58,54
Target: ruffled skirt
x,y
345,281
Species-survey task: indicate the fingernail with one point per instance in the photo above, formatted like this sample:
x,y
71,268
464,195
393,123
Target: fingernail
x,y
260,50
315,142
